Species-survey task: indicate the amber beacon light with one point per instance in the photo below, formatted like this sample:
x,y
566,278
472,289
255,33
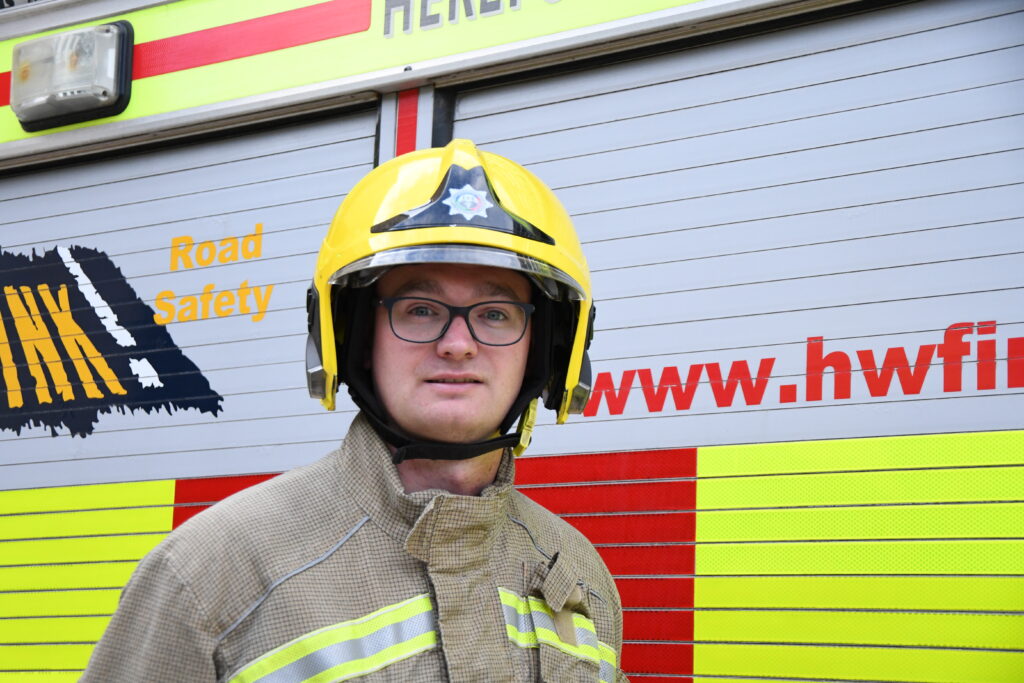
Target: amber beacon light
x,y
72,76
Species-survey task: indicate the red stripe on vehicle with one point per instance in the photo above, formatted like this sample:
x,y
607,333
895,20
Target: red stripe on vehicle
x,y
664,528
657,658
213,489
655,592
405,121
279,31
208,490
665,559
640,497
647,625
183,513
661,464
290,28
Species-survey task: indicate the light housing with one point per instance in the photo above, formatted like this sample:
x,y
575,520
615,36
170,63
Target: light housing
x,y
72,76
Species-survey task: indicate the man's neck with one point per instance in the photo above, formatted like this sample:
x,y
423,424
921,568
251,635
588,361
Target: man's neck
x,y
464,477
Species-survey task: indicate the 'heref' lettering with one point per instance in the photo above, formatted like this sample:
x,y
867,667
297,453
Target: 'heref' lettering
x,y
431,13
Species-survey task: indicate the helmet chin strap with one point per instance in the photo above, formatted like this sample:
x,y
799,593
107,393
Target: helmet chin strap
x,y
407,448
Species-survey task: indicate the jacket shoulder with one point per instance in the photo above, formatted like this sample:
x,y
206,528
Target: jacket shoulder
x,y
230,552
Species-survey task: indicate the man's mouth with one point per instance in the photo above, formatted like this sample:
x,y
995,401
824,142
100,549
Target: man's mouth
x,y
466,380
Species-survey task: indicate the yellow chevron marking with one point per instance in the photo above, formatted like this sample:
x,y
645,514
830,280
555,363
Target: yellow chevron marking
x,y
925,486
862,592
46,603
43,657
92,496
52,630
998,520
65,576
86,523
40,676
913,629
862,557
933,450
834,663
61,550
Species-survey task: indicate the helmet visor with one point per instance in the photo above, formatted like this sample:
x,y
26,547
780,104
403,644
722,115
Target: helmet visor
x,y
551,281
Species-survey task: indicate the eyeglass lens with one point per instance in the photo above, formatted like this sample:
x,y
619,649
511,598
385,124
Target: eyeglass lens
x,y
496,323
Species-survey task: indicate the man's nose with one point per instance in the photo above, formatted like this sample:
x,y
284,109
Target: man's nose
x,y
457,341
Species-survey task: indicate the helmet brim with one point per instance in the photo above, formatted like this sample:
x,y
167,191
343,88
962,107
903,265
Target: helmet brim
x,y
553,282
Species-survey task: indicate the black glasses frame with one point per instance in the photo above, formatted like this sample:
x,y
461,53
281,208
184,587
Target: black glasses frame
x,y
454,312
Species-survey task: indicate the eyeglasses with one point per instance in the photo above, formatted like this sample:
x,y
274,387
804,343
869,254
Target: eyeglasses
x,y
420,320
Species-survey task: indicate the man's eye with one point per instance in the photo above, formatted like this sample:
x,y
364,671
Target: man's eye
x,y
421,310
494,315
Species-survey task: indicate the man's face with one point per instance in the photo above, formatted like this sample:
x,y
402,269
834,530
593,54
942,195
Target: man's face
x,y
454,389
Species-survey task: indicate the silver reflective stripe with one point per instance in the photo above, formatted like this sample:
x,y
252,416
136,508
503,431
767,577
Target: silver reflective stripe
x,y
588,637
331,656
520,622
542,620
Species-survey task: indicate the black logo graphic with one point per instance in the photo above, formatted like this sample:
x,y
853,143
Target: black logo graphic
x,y
77,341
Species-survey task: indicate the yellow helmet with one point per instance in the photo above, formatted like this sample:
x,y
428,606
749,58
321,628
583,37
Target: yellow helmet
x,y
455,204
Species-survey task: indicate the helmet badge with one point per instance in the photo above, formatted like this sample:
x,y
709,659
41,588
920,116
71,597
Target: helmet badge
x,y
467,201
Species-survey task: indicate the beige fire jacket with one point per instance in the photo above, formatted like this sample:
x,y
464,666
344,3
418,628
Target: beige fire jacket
x,y
331,572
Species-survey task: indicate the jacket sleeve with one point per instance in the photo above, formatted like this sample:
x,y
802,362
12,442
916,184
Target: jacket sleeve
x,y
159,633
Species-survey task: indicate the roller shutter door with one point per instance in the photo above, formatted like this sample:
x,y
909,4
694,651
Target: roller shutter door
x,y
215,241
803,452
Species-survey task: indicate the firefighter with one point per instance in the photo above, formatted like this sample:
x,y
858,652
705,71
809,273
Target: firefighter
x,y
451,296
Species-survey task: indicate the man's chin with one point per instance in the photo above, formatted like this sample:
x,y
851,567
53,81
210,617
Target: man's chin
x,y
453,430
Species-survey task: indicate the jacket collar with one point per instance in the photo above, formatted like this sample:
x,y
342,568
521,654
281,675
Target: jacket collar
x,y
435,526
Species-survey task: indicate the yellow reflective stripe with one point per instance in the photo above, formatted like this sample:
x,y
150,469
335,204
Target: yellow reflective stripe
x,y
521,639
973,520
950,593
86,523
331,648
69,603
933,450
530,621
83,549
92,496
52,629
56,576
911,629
857,663
509,598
